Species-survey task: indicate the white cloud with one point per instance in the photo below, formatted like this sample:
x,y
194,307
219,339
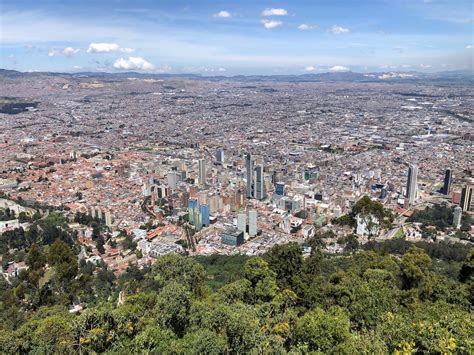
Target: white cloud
x,y
338,29
221,69
107,48
307,27
469,46
269,24
274,12
310,68
426,66
69,51
133,63
223,14
77,67
339,68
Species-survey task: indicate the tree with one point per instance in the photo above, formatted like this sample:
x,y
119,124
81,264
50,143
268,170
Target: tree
x,y
467,269
414,267
352,243
154,340
172,307
323,331
203,341
100,245
286,261
366,208
36,261
173,267
63,260
263,281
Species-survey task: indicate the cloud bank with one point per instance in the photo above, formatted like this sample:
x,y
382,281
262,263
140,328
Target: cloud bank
x,y
107,48
133,63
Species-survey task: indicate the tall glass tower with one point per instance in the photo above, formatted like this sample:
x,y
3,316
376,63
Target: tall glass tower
x,y
412,184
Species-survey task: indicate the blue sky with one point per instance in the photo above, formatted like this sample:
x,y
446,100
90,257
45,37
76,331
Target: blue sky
x,y
236,37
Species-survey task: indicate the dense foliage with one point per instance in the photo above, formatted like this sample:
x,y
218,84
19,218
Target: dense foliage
x,y
367,302
439,216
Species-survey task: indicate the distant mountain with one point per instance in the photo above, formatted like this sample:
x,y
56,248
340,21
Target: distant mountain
x,y
458,76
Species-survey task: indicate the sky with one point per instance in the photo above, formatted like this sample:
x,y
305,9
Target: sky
x,y
236,37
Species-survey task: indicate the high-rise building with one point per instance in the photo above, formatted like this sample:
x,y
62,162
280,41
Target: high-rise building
x,y
202,172
205,215
173,179
242,222
466,198
412,184
252,223
220,156
259,183
457,217
249,173
192,209
280,188
447,181
108,219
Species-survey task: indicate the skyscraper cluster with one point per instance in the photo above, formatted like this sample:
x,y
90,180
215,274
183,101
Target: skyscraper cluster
x,y
198,215
255,179
252,222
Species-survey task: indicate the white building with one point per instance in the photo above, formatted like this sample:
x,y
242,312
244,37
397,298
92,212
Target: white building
x,y
367,225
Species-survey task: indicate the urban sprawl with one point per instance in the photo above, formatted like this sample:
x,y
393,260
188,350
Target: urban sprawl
x,y
204,166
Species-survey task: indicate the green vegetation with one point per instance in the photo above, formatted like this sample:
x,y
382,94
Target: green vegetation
x,y
13,105
440,216
6,214
365,207
221,269
366,302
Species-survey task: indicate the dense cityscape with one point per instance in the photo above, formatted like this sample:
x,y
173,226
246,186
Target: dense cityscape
x,y
252,164
177,178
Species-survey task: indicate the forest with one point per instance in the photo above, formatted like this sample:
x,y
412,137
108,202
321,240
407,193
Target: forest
x,y
392,297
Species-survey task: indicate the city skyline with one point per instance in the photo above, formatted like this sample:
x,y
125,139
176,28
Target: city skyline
x,y
221,38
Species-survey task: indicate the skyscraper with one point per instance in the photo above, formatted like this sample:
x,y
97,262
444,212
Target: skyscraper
x,y
457,217
447,181
202,172
412,184
220,156
253,223
259,183
205,215
192,209
242,222
249,173
280,188
466,198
